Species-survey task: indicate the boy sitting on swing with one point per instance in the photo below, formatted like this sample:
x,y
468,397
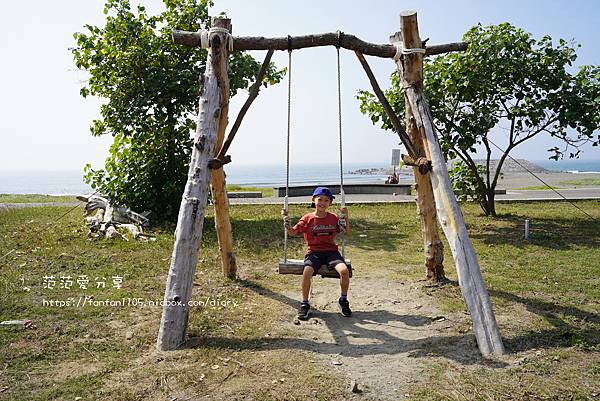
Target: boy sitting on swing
x,y
320,229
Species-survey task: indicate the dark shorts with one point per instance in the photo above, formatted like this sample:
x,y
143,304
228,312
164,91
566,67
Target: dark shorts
x,y
318,259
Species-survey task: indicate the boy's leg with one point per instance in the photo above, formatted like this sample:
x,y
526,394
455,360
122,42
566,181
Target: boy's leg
x,y
304,309
336,260
343,303
306,281
344,273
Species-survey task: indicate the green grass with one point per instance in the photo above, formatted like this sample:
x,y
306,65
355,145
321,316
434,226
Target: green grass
x,y
582,182
31,198
266,192
549,287
538,187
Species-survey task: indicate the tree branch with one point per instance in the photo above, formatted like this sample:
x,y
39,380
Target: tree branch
x,y
473,167
487,159
499,167
466,157
505,108
531,135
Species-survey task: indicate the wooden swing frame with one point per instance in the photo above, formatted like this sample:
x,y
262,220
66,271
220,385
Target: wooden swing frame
x,y
424,151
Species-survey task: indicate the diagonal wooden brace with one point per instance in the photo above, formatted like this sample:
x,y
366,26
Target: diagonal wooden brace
x,y
254,89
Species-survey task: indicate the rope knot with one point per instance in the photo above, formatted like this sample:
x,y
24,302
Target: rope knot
x,y
400,50
206,36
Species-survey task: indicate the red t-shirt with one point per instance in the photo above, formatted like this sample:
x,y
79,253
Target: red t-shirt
x,y
319,232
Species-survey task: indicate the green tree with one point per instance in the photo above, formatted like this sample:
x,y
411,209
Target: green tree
x,y
505,78
151,90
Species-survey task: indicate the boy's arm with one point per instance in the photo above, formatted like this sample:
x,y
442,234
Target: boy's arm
x,y
286,222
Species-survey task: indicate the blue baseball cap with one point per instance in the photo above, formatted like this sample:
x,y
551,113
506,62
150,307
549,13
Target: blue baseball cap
x,y
323,191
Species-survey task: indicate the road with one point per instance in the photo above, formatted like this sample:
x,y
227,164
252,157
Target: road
x,y
592,193
510,196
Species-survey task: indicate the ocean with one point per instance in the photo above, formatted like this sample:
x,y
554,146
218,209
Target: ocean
x,y
571,166
71,181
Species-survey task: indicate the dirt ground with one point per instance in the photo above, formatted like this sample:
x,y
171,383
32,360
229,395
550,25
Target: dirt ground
x,y
385,345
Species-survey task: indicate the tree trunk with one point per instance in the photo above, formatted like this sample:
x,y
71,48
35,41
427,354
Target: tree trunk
x,y
433,248
489,202
469,274
178,291
218,184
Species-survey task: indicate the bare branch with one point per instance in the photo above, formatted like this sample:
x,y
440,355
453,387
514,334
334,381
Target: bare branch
x,y
487,159
499,166
511,133
534,133
466,157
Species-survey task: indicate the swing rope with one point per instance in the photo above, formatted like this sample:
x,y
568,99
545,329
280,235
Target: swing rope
x,y
343,200
287,160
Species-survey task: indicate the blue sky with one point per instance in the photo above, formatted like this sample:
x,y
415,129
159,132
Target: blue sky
x,y
45,122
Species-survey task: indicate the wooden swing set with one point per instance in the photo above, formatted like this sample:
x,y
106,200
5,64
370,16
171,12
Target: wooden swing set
x,y
435,197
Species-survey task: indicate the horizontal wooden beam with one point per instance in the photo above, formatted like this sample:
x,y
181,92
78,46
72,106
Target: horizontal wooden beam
x,y
340,39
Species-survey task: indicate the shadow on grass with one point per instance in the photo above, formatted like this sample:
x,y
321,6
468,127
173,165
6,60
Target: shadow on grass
x,y
368,235
553,233
256,236
346,331
563,334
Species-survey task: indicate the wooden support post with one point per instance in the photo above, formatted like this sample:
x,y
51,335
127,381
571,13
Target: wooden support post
x,y
470,279
433,247
173,324
218,182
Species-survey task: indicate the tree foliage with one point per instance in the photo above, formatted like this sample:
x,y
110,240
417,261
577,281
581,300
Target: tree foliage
x,y
506,79
151,89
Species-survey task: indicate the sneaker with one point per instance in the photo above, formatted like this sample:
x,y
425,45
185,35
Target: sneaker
x,y
303,311
345,308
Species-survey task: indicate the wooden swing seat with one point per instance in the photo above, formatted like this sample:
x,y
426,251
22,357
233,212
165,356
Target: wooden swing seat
x,y
296,266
